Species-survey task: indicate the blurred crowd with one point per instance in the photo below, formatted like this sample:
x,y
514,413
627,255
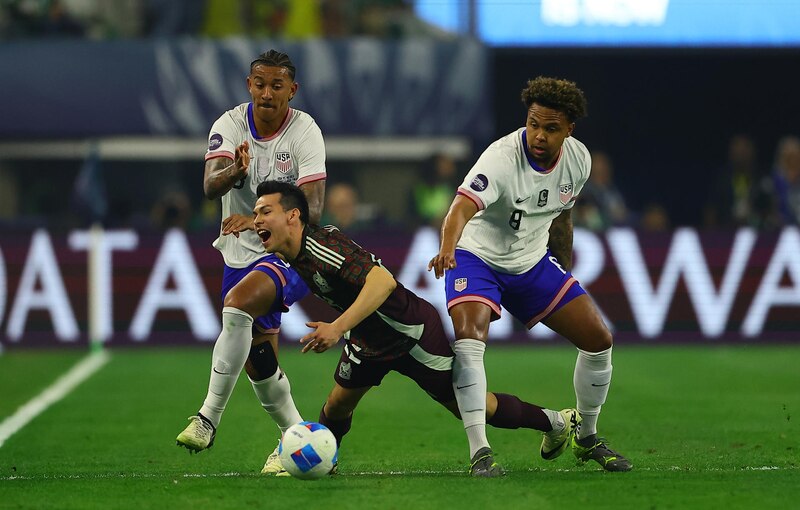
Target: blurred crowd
x,y
286,19
741,193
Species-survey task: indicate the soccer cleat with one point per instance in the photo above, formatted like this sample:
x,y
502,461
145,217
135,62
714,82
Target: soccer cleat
x,y
198,435
554,443
483,464
599,452
273,466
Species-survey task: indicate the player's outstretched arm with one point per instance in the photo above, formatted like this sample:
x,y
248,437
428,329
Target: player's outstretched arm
x,y
461,211
222,173
378,286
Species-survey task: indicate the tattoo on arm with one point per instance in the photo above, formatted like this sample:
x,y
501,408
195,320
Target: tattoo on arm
x,y
220,178
561,240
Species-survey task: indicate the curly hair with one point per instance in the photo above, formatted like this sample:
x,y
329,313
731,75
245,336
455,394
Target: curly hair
x,y
555,93
273,58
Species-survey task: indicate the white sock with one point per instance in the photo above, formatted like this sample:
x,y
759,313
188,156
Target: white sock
x,y
592,378
275,394
227,361
469,384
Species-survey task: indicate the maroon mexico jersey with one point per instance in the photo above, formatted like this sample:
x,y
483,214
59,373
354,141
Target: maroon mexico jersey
x,y
335,269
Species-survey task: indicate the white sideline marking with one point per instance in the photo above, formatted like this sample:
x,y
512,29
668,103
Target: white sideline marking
x,y
175,477
52,394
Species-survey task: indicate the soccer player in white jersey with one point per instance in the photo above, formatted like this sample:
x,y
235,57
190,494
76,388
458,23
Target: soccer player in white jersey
x,y
507,240
260,140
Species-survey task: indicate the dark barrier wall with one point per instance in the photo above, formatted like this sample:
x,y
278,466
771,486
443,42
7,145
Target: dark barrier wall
x,y
162,288
664,116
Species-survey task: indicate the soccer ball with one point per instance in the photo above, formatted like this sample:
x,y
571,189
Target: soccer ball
x,y
308,450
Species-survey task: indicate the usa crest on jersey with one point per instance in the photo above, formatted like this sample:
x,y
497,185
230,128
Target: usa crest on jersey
x,y
283,162
565,192
460,284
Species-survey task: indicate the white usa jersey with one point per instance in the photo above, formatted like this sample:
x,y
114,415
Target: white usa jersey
x,y
517,201
295,154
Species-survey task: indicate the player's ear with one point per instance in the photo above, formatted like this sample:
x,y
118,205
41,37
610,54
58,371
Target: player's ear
x,y
571,128
295,86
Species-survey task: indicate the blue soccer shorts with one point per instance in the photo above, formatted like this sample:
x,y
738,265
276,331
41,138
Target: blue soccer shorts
x,y
530,297
288,285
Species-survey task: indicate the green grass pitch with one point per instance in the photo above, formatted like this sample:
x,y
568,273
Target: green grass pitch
x,y
706,427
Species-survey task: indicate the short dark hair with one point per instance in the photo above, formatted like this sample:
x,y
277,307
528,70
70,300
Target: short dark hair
x,y
274,58
292,197
556,93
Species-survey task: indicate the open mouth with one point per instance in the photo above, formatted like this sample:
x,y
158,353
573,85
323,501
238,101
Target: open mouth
x,y
264,235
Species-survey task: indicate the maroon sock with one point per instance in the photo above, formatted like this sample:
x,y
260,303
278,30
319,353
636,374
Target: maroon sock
x,y
338,427
513,413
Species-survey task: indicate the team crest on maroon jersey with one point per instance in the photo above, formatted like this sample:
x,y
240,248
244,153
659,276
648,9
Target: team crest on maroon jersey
x,y
321,283
345,369
460,284
565,193
283,162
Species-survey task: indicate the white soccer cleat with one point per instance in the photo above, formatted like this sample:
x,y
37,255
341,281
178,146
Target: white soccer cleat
x,y
198,435
555,442
273,466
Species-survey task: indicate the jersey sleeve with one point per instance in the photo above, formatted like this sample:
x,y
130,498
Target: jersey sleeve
x,y
483,183
582,175
310,150
224,137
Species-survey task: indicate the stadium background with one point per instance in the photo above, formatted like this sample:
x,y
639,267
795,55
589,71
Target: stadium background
x,y
109,131
112,132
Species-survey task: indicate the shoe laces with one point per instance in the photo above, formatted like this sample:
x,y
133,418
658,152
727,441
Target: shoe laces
x,y
203,424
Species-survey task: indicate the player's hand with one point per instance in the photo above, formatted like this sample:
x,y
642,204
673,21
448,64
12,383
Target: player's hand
x,y
324,336
242,159
441,263
236,223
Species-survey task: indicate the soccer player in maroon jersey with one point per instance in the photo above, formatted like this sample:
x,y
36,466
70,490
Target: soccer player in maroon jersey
x,y
386,326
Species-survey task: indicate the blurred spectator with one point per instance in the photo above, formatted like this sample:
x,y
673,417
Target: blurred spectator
x,y
432,195
38,18
740,193
601,204
391,19
334,20
172,210
655,218
786,179
285,19
342,209
108,19
165,18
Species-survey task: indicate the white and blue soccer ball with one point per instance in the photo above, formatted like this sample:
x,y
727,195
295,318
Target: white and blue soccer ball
x,y
308,450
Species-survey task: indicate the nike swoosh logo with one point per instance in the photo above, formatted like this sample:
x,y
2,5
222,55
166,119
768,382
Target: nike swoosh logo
x,y
218,372
467,386
599,385
520,200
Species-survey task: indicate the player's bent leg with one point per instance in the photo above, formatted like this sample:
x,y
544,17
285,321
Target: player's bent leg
x,y
337,413
228,357
273,390
580,322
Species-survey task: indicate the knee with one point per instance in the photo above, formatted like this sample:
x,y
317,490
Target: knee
x,y
239,300
261,362
600,341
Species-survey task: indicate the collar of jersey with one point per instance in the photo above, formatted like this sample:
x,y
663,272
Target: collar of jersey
x,y
252,124
530,161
